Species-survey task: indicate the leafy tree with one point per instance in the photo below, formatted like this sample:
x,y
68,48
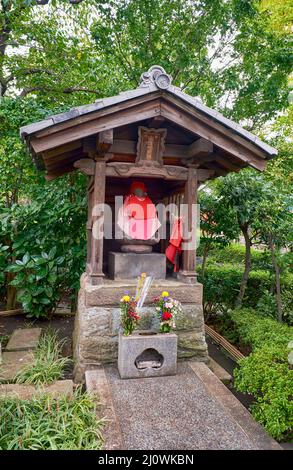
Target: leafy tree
x,y
221,50
243,193
274,222
48,52
218,223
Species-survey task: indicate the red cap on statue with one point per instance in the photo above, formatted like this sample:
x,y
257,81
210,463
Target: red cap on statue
x,y
137,185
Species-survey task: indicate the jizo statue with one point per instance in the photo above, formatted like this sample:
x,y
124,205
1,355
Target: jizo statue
x,y
137,217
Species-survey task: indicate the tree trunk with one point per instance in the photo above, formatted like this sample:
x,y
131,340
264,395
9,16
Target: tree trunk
x,y
277,277
204,259
11,293
244,279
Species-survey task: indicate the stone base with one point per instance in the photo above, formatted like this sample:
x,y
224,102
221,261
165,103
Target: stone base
x,y
97,321
131,265
147,355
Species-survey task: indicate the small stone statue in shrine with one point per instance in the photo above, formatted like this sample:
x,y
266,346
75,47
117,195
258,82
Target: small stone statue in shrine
x,y
137,218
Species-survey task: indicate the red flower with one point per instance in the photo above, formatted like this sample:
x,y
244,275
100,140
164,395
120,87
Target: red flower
x,y
166,316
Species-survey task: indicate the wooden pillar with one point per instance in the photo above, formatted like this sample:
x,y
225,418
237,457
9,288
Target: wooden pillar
x,y
187,273
97,217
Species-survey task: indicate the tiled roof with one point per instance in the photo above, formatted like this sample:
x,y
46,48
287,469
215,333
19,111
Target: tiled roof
x,y
153,80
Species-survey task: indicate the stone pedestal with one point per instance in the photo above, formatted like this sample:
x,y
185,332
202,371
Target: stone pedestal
x,y
147,355
97,321
131,265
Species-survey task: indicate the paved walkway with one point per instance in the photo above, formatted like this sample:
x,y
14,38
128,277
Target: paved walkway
x,y
18,352
189,411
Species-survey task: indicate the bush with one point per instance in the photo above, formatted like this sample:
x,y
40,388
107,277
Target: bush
x,y
38,279
51,219
234,253
221,287
45,423
265,373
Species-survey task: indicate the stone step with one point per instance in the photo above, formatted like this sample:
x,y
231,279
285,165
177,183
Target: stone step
x,y
239,414
13,362
26,392
24,339
98,385
220,372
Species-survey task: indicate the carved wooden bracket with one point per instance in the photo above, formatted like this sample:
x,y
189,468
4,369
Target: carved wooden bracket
x,y
127,170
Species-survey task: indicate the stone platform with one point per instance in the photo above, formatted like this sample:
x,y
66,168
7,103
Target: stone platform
x,y
126,265
192,410
97,321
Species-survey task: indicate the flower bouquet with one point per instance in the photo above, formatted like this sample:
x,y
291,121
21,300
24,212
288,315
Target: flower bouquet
x,y
129,317
167,309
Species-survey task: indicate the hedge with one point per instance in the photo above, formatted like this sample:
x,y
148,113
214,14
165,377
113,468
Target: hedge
x,y
265,373
222,282
235,253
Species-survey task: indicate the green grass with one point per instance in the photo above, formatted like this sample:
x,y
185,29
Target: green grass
x,y
4,340
45,423
48,365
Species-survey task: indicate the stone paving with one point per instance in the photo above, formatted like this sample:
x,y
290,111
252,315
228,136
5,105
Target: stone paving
x,y
19,352
177,412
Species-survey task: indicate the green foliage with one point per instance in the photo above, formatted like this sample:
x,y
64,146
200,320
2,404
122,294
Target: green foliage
x,y
221,287
48,365
265,373
234,253
49,235
257,331
45,423
4,340
38,281
214,49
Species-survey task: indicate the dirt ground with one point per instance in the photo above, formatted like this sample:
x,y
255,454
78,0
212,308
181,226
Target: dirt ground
x,y
62,324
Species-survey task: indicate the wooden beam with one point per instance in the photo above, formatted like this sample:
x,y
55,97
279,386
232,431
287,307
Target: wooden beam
x,y
200,147
203,174
62,149
130,115
188,274
128,170
86,166
97,219
217,170
63,159
58,172
104,141
227,163
129,147
216,137
89,145
209,121
104,112
156,122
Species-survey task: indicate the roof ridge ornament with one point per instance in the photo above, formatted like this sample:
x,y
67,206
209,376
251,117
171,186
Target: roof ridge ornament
x,y
157,75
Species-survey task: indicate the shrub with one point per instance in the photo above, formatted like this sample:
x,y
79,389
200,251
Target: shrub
x,y
38,280
235,253
221,287
48,365
45,423
265,373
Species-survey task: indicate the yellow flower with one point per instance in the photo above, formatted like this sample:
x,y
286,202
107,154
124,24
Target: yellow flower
x,y
143,274
125,298
165,294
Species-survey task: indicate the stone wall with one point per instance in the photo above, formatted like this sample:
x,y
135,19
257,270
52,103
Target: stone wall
x,y
96,329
